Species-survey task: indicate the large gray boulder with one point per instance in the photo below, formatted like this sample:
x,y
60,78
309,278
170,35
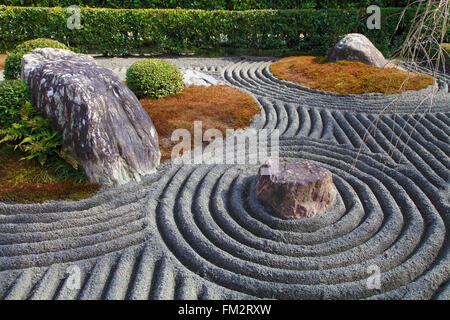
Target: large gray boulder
x,y
357,47
103,125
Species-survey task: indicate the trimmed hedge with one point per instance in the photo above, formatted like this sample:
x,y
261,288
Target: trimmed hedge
x,y
13,63
208,4
120,32
314,4
154,78
124,4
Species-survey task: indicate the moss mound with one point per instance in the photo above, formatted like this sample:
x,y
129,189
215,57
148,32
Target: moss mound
x,y
347,77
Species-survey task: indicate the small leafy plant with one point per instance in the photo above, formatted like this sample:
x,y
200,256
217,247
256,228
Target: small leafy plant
x,y
32,134
23,128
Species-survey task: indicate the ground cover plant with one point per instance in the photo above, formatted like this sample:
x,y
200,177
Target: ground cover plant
x,y
23,127
30,182
347,77
221,107
33,166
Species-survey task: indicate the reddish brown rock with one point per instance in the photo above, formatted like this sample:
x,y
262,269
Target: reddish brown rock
x,y
295,189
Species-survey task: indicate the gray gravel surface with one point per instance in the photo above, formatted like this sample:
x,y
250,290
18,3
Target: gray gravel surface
x,y
199,232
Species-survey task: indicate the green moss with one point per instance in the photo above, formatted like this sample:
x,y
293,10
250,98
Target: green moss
x,y
32,166
29,182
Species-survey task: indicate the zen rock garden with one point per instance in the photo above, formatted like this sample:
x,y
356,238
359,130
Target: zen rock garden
x,y
360,180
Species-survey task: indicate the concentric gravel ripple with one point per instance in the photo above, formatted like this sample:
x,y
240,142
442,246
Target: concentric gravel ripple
x,y
199,232
257,78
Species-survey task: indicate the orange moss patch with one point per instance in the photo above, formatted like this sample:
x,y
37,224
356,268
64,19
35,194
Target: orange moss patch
x,y
28,182
2,61
219,107
347,77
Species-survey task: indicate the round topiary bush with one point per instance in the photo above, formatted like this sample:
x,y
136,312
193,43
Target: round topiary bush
x,y
154,78
13,60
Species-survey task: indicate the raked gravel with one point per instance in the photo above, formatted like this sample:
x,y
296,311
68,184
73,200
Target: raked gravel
x,y
199,232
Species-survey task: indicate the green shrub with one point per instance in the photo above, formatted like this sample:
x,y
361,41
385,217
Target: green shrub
x,y
13,95
208,4
13,66
14,59
40,43
121,32
154,78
